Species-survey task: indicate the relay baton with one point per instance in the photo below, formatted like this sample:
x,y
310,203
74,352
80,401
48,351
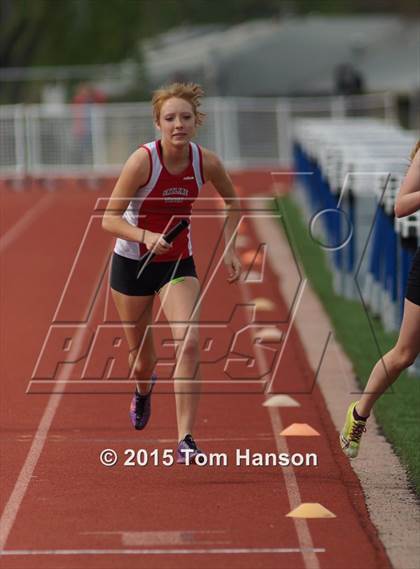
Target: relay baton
x,y
169,237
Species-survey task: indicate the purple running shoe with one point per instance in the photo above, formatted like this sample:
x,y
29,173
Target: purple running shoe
x,y
141,408
187,451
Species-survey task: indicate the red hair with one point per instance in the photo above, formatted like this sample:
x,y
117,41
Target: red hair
x,y
190,92
415,149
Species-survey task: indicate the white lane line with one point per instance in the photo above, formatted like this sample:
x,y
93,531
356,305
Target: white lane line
x,y
11,509
302,529
177,538
70,438
213,551
19,227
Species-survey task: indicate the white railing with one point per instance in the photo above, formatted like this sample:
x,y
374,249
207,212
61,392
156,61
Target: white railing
x,y
63,140
12,141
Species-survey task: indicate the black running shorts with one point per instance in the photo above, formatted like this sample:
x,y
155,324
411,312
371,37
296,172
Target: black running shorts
x,y
413,284
154,276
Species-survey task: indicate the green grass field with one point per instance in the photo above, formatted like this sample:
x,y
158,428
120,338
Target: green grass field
x,y
398,410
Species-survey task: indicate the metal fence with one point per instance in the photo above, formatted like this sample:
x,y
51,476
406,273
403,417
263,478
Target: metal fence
x,y
95,140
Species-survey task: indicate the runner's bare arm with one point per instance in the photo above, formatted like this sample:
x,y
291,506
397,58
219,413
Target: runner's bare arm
x,y
408,199
215,173
134,175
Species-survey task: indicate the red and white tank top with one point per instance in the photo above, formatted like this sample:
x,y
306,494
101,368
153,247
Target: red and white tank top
x,y
162,202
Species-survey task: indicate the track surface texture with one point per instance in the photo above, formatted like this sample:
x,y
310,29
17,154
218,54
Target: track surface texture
x,y
61,508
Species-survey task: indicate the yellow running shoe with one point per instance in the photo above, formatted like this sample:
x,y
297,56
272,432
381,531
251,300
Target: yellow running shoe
x,y
351,434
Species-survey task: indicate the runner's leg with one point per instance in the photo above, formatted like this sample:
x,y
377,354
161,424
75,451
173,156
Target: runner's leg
x,y
136,314
179,301
388,368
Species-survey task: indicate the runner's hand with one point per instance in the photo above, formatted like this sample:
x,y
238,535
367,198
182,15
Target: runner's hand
x,y
156,243
234,267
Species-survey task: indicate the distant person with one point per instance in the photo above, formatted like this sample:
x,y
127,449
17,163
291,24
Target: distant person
x,y
347,80
85,96
407,348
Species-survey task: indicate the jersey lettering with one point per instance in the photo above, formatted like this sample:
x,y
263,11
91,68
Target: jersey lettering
x,y
162,202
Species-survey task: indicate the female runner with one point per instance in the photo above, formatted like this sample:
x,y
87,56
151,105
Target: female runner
x,y
407,348
157,186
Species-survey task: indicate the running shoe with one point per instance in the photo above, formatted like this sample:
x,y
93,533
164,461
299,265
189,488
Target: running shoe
x,y
141,408
187,450
352,433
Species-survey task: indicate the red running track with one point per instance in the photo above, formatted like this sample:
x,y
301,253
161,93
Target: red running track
x,y
62,509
